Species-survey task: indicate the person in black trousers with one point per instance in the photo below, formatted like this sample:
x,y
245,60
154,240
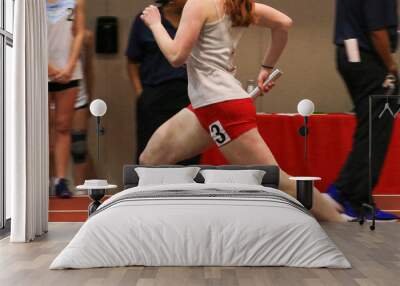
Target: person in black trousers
x,y
162,90
366,36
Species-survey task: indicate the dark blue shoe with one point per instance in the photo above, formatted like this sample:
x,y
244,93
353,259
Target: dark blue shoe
x,y
334,194
349,210
62,190
379,214
384,216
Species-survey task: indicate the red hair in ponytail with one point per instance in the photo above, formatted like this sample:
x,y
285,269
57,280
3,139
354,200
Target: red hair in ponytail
x,y
241,12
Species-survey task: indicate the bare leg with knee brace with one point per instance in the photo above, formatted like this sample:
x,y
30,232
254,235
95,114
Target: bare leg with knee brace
x,y
64,112
83,168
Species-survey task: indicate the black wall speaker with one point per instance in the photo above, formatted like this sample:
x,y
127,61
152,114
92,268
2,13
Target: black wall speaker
x,y
107,35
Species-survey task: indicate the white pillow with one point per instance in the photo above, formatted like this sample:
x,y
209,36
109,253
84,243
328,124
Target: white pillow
x,y
246,177
166,176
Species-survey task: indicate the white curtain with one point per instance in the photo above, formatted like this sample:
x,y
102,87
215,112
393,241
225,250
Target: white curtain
x,y
26,124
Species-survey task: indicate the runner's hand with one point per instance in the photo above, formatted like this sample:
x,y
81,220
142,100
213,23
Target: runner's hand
x,y
262,77
64,76
151,16
52,72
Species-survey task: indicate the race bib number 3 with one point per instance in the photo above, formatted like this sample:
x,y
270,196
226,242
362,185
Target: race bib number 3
x,y
219,134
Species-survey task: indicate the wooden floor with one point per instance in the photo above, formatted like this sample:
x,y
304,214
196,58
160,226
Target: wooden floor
x,y
375,257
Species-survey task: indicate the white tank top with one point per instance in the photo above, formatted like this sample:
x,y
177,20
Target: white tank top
x,y
60,19
210,67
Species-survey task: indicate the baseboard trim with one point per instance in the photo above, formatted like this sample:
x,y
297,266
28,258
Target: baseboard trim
x,y
378,196
68,216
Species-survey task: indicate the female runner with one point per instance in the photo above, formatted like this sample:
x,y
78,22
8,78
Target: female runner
x,y
221,111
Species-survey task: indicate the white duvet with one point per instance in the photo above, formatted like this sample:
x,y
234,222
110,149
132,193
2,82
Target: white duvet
x,y
201,231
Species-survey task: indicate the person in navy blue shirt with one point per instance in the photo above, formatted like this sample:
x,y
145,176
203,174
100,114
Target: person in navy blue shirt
x,y
366,36
161,89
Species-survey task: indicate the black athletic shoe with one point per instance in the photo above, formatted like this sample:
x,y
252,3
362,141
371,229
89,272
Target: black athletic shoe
x,y
62,190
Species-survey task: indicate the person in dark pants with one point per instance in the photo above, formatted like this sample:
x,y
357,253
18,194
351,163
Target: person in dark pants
x,y
162,89
366,37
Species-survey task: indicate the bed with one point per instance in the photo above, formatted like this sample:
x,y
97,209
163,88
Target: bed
x,y
201,224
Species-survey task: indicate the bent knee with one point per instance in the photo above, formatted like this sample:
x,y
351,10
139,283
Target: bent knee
x,y
159,155
144,159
